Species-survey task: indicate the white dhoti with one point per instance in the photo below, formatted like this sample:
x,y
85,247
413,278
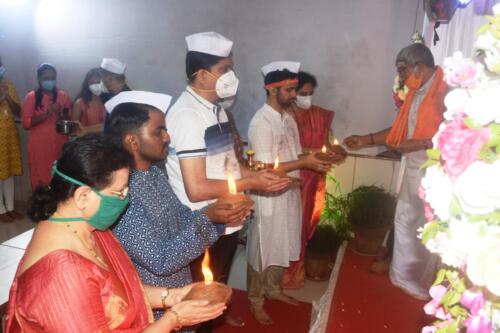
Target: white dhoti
x,y
413,267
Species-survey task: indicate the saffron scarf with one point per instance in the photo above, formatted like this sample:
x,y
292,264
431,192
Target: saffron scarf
x,y
429,113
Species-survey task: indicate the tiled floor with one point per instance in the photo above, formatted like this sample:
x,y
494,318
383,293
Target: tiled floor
x,y
312,290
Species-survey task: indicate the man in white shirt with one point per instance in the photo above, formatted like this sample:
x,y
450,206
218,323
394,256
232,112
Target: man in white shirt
x,y
274,235
202,150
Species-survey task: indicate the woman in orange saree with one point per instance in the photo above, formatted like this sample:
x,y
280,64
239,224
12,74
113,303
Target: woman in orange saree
x,y
75,276
314,124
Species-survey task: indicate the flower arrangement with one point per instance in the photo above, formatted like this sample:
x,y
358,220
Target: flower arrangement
x,y
399,92
461,190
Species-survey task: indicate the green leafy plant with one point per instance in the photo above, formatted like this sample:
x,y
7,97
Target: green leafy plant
x,y
371,207
333,227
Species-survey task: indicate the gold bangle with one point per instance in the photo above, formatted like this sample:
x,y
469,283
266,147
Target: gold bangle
x,y
177,318
164,294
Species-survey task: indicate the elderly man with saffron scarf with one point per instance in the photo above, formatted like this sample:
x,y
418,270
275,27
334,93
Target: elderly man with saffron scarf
x,y
413,267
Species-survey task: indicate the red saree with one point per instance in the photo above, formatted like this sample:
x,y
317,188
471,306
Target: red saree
x,y
313,125
65,292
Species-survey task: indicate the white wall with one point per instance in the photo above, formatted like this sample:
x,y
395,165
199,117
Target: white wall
x,y
349,45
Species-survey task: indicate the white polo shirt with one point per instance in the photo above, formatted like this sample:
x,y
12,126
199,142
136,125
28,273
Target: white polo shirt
x,y
198,128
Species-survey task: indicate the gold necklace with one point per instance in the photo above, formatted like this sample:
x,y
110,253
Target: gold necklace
x,y
91,250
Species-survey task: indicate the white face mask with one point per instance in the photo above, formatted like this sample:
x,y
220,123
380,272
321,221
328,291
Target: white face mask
x,y
103,87
2,71
304,102
226,103
96,88
227,85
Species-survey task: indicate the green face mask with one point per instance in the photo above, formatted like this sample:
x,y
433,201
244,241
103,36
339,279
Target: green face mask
x,y
109,210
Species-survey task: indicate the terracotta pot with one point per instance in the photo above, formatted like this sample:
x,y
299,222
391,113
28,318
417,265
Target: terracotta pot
x,y
369,240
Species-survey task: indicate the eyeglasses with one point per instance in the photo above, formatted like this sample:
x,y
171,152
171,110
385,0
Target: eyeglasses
x,y
121,194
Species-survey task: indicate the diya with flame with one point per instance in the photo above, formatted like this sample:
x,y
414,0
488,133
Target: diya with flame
x,y
327,156
281,173
233,197
209,290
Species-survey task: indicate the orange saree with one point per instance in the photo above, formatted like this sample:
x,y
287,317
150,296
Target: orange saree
x,y
313,125
65,292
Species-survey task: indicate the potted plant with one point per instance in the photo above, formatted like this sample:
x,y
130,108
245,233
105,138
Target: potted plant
x,y
331,230
370,214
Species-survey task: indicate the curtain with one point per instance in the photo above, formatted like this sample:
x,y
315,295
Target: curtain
x,y
460,33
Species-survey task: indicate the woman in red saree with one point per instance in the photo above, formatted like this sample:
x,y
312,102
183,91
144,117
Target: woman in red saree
x,y
314,124
75,276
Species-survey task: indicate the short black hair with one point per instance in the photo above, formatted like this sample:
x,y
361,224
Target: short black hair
x,y
277,76
198,60
91,159
305,78
127,118
415,54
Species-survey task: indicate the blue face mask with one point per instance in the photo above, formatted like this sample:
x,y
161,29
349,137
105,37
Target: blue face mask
x,y
109,209
48,85
2,71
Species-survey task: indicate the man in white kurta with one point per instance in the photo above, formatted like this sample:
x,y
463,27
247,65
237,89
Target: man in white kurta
x,y
275,233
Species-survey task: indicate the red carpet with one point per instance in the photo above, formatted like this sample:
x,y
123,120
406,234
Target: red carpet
x,y
287,318
365,302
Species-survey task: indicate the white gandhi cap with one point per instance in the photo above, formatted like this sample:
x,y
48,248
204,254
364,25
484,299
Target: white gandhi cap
x,y
159,101
210,43
291,66
113,65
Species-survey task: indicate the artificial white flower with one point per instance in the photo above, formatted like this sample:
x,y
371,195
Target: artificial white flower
x,y
483,104
483,264
438,191
478,188
455,102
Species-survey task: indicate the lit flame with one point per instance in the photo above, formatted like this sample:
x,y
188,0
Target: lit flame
x,y
336,142
276,163
231,183
205,268
323,150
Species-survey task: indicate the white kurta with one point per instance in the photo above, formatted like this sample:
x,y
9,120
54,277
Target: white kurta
x,y
274,234
413,266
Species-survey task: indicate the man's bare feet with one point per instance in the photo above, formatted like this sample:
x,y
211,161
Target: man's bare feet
x,y
5,218
261,316
284,298
380,266
15,215
234,321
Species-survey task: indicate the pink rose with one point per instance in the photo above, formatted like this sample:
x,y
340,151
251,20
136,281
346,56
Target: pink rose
x,y
461,72
460,145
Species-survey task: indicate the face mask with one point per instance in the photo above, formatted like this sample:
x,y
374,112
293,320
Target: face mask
x,y
104,89
412,82
226,85
95,88
226,103
2,71
48,85
304,102
109,209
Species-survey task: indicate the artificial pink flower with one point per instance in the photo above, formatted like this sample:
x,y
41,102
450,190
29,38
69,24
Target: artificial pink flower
x,y
474,301
433,307
462,72
478,324
429,329
460,145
